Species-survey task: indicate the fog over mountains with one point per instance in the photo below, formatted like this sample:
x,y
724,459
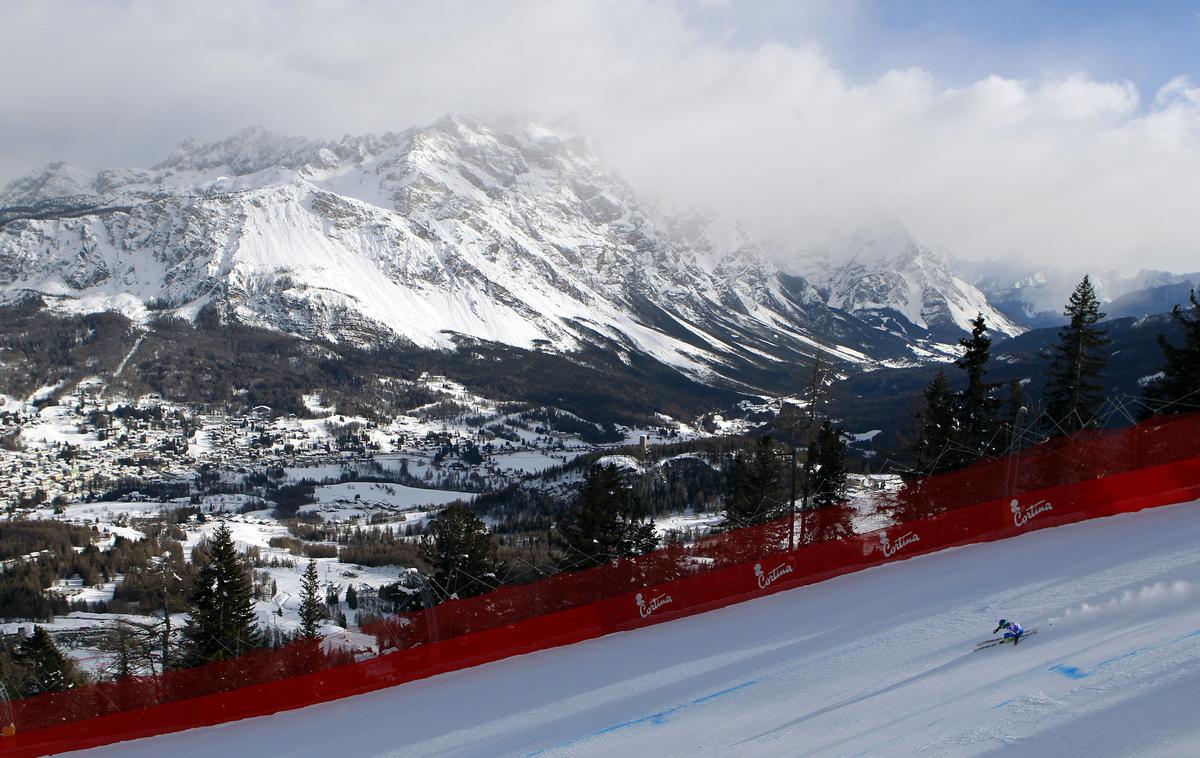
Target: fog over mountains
x,y
460,231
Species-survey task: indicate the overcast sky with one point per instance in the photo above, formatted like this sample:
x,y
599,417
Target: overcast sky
x,y
1069,133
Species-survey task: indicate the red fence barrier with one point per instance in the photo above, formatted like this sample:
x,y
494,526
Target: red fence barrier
x,y
1088,476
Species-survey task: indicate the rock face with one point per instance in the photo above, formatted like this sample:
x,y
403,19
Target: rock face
x,y
450,232
889,280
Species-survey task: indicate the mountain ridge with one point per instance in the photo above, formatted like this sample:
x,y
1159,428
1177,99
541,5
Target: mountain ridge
x,y
456,231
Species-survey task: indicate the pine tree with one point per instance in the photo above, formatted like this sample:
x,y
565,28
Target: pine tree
x,y
352,598
1179,388
827,516
604,524
756,487
1074,393
638,536
977,406
825,467
462,552
312,609
939,433
222,623
46,669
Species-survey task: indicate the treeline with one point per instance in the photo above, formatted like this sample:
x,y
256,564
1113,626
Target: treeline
x,y
35,665
60,551
549,418
378,546
674,477
983,419
217,591
41,350
220,364
1178,389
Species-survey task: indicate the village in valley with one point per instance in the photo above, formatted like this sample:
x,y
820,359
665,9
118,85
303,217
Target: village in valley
x,y
350,494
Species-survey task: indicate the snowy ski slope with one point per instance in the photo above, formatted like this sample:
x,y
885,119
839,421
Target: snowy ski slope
x,y
874,663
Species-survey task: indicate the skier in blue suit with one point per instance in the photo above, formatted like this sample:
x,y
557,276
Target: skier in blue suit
x,y
1013,630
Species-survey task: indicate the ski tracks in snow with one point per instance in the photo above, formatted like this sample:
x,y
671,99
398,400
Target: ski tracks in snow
x,y
877,662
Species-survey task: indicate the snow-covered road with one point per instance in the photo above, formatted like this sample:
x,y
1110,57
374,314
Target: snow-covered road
x,y
874,663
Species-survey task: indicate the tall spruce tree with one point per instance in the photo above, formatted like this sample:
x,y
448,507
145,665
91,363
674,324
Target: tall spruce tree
x,y
1179,388
1074,390
756,487
222,624
46,669
825,467
312,606
604,522
936,450
462,552
977,406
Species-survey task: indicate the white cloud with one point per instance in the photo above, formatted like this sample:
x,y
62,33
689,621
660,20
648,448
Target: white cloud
x,y
1066,168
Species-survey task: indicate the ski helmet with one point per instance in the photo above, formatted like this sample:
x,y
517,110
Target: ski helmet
x,y
1002,623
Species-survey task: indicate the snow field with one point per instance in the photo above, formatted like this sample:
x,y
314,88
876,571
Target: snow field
x,y
878,662
341,502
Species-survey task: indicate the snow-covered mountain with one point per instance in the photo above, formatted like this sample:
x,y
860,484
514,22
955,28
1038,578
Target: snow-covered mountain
x,y
1035,295
449,232
885,277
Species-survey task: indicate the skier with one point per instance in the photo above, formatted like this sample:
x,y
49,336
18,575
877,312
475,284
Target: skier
x,y
1013,630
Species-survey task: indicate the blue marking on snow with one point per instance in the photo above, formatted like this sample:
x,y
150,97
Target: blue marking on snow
x,y
657,719
1069,671
1138,651
723,692
1073,672
1131,654
663,716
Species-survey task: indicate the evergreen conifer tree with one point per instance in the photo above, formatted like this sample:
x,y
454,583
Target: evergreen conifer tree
x,y
462,552
222,623
977,407
1074,391
638,536
46,669
1179,388
756,504
312,609
936,450
603,523
756,487
825,467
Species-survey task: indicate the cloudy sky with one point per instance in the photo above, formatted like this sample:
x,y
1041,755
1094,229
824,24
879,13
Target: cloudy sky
x,y
1067,133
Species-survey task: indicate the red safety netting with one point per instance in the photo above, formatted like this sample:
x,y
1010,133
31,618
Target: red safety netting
x,y
1089,475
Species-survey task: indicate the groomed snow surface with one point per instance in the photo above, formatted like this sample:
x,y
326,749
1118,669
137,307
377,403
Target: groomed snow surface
x,y
874,663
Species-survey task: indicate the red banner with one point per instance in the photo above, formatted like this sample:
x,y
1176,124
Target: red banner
x,y
1088,476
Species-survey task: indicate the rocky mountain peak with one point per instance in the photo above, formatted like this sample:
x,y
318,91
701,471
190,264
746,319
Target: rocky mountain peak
x,y
54,180
463,230
248,151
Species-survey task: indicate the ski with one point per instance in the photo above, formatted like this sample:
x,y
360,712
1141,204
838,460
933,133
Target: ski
x,y
1001,640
